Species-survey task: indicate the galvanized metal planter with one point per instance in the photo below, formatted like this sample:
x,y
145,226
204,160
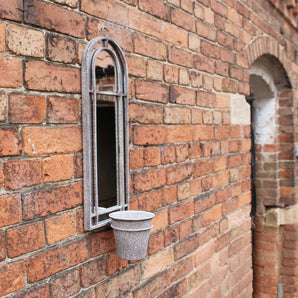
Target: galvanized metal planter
x,y
131,231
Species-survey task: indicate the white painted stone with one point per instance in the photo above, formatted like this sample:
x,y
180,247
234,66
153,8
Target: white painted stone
x,y
240,110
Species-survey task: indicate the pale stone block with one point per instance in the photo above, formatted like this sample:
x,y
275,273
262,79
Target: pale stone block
x,y
240,110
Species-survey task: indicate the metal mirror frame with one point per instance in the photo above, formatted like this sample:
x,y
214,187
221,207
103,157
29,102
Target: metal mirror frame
x,y
92,210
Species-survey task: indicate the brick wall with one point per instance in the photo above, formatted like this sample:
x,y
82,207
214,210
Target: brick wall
x,y
188,163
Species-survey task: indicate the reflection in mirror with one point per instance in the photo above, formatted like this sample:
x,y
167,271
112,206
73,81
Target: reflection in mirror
x,y
106,132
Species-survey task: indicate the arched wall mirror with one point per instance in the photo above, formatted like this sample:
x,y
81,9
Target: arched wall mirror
x,y
105,130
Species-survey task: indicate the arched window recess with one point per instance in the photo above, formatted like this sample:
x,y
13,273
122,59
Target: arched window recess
x,y
105,130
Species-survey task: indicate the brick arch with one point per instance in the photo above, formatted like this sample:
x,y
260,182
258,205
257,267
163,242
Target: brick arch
x,y
267,45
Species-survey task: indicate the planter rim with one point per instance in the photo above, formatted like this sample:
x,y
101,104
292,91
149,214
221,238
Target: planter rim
x,y
131,215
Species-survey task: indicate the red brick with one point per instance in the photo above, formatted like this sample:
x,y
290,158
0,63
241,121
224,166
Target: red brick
x,y
203,63
61,49
10,141
101,242
184,77
2,247
136,66
204,202
62,110
206,31
66,284
180,133
180,57
186,247
93,272
204,252
152,91
48,77
149,180
2,37
10,206
146,114
12,277
57,168
203,133
52,261
179,173
22,173
210,50
24,239
51,16
45,202
149,135
36,292
114,263
12,10
26,108
212,214
60,227
156,243
46,140
149,47
151,157
183,20
154,70
160,220
175,35
219,8
182,95
71,3
170,74
106,9
181,211
169,195
156,7
25,41
177,115
168,155
11,74
136,158
78,165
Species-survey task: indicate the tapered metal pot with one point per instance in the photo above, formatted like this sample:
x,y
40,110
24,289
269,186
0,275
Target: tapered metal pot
x,y
131,230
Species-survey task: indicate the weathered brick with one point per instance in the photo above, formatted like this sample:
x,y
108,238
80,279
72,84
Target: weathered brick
x,y
203,63
50,16
71,3
149,180
160,220
12,10
11,74
78,165
168,155
149,47
136,66
26,108
181,211
2,246
10,141
180,133
24,239
179,173
12,277
10,206
186,247
62,110
25,41
154,70
45,202
170,74
180,57
45,140
182,95
212,214
194,42
157,263
175,35
48,77
66,284
156,243
206,30
49,262
152,91
102,242
93,272
176,115
183,20
60,227
2,37
36,291
3,106
106,9
22,173
149,135
146,114
157,8
184,78
204,133
61,49
57,168
114,263
210,50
